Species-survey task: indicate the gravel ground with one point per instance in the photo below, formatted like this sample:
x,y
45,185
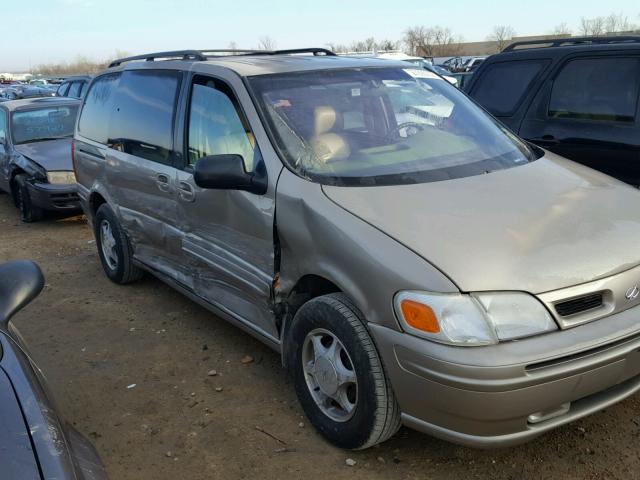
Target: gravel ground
x,y
129,367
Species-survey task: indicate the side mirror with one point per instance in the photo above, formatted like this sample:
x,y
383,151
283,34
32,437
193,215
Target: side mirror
x,y
226,172
20,282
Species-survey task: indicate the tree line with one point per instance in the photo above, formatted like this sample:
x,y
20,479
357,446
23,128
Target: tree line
x,y
422,40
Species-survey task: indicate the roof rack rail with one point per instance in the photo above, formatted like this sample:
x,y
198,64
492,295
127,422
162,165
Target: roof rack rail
x,y
203,55
294,51
568,41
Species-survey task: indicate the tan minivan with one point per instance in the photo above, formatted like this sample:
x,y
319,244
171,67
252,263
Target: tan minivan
x,y
411,259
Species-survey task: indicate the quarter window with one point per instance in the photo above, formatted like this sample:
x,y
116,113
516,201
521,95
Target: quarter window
x,y
597,89
142,123
99,102
502,85
217,125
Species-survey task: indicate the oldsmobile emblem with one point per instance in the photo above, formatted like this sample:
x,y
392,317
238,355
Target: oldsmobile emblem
x,y
632,293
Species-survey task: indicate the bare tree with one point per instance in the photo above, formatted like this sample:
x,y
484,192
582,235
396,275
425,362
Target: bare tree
x,y
501,35
561,29
387,45
266,43
592,27
617,23
232,45
432,41
415,38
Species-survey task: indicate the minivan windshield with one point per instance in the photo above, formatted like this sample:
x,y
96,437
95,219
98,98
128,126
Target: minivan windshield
x,y
382,126
41,124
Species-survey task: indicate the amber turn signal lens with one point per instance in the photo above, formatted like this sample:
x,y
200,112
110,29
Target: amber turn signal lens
x,y
419,316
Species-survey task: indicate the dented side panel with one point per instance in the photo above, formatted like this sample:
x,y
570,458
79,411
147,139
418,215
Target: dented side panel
x,y
317,237
227,240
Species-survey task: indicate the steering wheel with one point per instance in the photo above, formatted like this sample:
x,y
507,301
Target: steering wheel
x,y
408,128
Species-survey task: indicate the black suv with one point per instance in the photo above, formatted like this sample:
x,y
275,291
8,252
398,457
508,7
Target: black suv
x,y
577,97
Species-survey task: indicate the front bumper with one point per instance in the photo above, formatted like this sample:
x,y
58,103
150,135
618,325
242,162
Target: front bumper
x,y
53,197
486,396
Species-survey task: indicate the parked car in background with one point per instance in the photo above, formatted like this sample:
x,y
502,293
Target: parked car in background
x,y
410,258
462,78
73,87
577,97
471,64
417,62
35,442
35,155
452,64
20,91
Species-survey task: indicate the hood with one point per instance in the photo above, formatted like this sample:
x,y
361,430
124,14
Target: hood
x,y
51,155
538,227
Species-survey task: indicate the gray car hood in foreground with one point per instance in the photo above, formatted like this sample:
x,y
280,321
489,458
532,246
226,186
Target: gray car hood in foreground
x,y
52,155
538,227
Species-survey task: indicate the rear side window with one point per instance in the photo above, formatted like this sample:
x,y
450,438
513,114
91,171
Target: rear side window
x,y
142,124
502,85
597,89
63,89
74,90
98,105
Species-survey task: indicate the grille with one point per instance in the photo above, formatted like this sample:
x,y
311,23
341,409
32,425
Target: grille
x,y
579,305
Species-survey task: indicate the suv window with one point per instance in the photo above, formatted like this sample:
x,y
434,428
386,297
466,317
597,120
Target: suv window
x,y
98,105
74,90
63,89
597,89
502,85
217,124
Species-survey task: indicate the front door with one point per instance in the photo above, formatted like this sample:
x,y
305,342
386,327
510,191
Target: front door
x,y
227,234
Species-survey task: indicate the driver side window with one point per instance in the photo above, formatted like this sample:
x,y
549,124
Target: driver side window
x,y
217,124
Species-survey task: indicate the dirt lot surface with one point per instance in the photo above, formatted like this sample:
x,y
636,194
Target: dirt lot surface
x,y
94,339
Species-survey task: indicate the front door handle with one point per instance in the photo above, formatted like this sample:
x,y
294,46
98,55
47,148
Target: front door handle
x,y
186,192
163,182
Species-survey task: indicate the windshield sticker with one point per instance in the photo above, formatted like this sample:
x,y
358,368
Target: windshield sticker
x,y
355,92
421,73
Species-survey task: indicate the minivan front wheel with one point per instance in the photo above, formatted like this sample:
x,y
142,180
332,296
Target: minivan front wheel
x,y
338,374
28,211
113,248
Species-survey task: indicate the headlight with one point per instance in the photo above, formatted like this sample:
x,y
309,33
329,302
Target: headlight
x,y
472,320
61,177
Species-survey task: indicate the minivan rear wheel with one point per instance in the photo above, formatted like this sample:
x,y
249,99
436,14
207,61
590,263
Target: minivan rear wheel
x,y
114,248
338,375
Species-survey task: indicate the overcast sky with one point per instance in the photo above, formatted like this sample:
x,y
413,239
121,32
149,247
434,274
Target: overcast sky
x,y
49,31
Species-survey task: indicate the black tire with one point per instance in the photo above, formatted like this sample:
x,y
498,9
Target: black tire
x,y
122,271
376,416
28,211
